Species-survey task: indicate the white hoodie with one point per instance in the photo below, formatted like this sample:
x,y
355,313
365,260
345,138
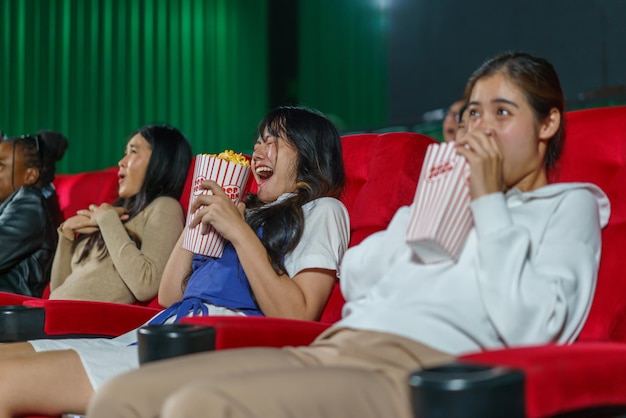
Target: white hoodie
x,y
526,275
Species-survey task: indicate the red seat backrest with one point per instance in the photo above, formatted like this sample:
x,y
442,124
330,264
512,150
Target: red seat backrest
x,y
186,194
78,191
381,176
595,151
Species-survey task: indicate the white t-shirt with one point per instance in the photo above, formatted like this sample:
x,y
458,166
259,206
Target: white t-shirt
x,y
325,237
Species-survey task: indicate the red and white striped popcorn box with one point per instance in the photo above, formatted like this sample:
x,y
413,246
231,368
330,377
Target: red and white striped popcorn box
x,y
233,178
441,217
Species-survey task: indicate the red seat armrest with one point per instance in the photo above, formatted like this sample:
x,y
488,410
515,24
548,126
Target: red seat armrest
x,y
235,331
35,303
561,379
91,318
14,299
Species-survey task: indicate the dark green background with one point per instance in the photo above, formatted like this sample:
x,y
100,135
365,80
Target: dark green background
x,y
96,70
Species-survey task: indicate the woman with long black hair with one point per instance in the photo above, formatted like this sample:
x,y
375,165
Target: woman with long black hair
x,y
117,253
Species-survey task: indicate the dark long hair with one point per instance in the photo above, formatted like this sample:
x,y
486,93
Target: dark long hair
x,y
539,82
319,173
165,176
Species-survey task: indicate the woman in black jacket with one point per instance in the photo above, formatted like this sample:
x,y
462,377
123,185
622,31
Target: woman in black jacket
x,y
27,226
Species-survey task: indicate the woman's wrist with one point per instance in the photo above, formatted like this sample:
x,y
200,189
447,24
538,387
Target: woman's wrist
x,y
242,235
67,232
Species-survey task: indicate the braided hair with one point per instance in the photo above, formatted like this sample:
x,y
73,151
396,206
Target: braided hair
x,y
40,151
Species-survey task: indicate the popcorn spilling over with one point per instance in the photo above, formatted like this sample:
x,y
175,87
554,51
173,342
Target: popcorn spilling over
x,y
232,156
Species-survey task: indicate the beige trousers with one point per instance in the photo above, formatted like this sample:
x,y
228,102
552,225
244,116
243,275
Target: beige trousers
x,y
344,373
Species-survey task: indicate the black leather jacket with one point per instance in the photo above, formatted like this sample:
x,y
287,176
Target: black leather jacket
x,y
28,240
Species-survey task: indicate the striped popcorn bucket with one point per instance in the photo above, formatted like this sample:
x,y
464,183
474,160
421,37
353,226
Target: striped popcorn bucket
x,y
233,178
441,217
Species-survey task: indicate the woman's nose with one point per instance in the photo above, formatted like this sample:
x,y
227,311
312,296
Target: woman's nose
x,y
477,123
259,151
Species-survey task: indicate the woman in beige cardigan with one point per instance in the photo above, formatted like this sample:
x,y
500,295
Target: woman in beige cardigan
x,y
117,252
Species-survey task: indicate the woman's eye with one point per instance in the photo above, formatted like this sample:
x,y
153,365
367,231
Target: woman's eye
x,y
473,113
503,112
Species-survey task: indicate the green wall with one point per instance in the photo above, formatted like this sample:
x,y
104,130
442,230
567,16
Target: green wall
x,y
96,70
343,61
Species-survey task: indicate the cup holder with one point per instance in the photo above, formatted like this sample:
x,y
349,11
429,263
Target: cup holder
x,y
468,390
21,323
158,342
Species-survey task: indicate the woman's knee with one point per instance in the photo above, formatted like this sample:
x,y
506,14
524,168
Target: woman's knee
x,y
201,400
312,392
10,350
116,398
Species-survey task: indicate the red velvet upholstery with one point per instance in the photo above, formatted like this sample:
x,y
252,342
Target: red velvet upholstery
x,y
595,151
186,194
65,317
382,172
560,379
233,332
381,175
78,191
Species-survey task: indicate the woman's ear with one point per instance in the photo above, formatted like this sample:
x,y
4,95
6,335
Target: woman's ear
x,y
550,124
31,176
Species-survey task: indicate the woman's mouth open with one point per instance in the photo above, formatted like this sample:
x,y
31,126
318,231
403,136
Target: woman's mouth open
x,y
263,173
